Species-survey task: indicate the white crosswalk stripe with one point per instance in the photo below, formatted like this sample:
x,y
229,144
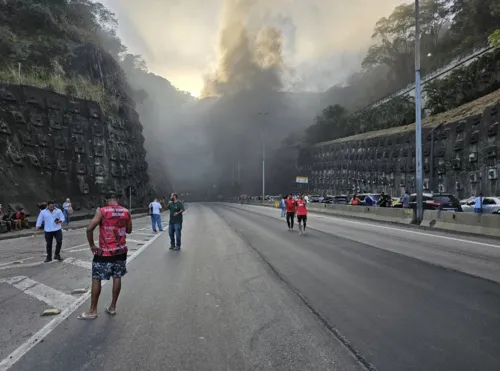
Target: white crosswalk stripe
x,y
78,263
49,295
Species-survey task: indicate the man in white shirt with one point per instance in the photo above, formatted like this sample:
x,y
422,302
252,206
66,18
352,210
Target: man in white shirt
x,y
52,218
154,209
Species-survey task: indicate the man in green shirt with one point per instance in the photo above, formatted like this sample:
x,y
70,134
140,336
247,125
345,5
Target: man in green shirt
x,y
176,209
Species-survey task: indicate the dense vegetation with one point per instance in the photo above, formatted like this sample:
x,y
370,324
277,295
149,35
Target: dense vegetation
x,y
43,43
450,29
40,39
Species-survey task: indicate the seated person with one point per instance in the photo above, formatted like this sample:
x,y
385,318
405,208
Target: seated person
x,y
22,218
15,223
5,225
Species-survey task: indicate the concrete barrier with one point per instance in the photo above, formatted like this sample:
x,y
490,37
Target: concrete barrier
x,y
478,224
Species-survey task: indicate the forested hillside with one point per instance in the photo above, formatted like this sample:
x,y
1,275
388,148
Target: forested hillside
x,y
57,44
450,29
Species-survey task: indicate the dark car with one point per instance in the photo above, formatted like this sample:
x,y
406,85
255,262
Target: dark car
x,y
435,201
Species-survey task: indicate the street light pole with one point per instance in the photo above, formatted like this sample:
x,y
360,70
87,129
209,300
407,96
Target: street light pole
x,y
418,117
238,171
263,159
263,165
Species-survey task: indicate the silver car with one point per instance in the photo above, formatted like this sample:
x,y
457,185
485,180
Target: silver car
x,y
491,205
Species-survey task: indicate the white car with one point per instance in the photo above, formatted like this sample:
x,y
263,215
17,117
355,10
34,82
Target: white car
x,y
490,205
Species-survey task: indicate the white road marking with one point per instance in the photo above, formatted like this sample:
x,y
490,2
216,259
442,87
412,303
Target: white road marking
x,y
52,297
145,234
84,249
12,358
22,265
78,263
405,230
75,247
134,241
12,262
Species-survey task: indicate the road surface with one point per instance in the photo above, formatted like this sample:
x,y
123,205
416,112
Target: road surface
x,y
246,294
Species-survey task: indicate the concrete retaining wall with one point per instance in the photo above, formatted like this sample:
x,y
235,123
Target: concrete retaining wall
x,y
485,225
480,224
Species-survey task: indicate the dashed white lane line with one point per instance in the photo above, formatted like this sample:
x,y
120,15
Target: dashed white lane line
x,y
37,290
79,263
401,230
12,358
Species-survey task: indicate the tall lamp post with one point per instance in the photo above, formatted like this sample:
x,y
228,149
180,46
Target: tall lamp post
x,y
263,159
418,117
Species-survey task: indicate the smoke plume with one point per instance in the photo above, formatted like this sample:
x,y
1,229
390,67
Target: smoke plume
x,y
247,61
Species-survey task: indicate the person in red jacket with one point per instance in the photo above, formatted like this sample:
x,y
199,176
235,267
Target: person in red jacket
x,y
290,211
301,214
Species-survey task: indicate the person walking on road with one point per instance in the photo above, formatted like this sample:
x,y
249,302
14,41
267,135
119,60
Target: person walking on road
x,y
406,200
301,215
176,209
290,205
154,209
283,206
52,218
67,210
110,258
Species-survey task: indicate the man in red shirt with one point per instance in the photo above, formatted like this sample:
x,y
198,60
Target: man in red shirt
x,y
301,214
290,211
110,258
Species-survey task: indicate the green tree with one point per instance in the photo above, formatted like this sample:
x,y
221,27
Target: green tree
x,y
330,124
474,21
395,37
494,39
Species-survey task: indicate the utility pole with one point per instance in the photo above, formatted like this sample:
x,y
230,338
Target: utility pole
x,y
418,117
263,159
263,166
238,171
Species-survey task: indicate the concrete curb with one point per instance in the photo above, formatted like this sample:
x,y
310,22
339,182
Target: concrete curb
x,y
33,232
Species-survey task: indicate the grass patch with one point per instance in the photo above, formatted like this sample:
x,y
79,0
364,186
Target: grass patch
x,y
77,87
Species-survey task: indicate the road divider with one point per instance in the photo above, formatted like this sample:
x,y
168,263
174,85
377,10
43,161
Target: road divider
x,y
463,222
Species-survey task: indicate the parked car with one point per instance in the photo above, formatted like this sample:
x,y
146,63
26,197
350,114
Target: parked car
x,y
435,201
314,198
466,201
490,205
339,200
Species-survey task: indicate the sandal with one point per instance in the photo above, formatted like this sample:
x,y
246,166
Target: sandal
x,y
111,312
86,316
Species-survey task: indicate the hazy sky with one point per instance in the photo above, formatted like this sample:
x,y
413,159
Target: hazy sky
x,y
324,40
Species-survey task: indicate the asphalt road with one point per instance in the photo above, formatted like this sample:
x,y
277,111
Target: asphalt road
x,y
246,294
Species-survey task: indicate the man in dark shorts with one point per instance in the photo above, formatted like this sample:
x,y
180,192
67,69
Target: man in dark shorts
x,y
110,258
290,211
